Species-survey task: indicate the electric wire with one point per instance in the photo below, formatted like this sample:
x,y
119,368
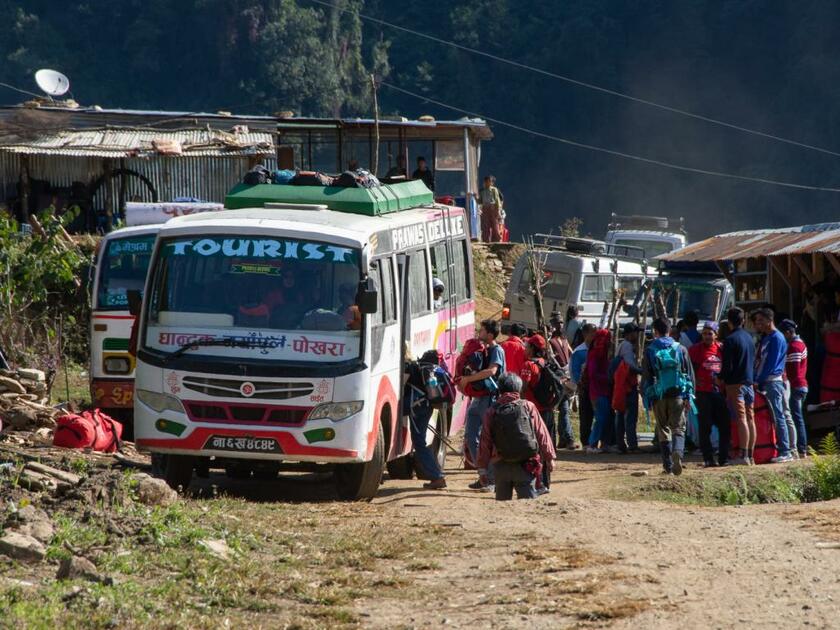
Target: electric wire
x,y
17,89
613,152
584,84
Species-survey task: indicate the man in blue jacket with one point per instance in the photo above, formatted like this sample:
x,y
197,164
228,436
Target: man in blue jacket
x,y
737,374
770,365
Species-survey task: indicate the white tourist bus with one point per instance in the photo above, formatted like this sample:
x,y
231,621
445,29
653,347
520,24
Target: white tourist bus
x,y
274,335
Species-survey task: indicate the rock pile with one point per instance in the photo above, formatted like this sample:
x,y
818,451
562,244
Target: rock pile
x,y
23,401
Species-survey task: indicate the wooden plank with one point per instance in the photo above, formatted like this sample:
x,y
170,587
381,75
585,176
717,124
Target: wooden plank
x,y
832,258
806,271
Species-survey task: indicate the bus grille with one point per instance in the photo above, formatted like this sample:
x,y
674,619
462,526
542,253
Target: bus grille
x,y
229,388
200,411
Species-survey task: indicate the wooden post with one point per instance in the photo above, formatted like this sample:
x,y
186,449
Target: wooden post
x,y
24,188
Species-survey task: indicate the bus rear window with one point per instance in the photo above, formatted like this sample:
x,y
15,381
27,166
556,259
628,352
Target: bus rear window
x,y
123,268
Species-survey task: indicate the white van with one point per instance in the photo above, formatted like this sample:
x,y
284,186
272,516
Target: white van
x,y
579,272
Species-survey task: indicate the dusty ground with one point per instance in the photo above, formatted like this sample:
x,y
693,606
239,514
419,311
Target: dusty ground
x,y
589,554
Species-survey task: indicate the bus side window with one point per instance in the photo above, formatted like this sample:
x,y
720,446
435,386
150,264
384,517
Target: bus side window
x,y
461,270
376,271
418,283
440,269
386,266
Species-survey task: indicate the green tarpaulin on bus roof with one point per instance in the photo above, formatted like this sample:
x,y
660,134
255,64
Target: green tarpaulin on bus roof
x,y
368,201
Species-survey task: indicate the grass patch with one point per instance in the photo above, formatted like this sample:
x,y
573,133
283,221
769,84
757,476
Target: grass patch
x,y
817,480
290,565
74,386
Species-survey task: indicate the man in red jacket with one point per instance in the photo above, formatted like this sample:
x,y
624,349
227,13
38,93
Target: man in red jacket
x,y
514,349
707,358
514,439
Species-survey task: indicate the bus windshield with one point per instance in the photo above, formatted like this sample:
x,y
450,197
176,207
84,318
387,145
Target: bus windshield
x,y
253,296
123,268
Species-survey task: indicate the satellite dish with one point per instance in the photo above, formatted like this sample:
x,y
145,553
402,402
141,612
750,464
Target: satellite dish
x,y
52,82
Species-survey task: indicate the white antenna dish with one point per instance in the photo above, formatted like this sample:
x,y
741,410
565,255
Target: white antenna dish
x,y
52,82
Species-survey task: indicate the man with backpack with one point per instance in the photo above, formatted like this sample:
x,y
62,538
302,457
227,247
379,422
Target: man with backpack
x,y
562,351
669,390
540,388
515,442
493,367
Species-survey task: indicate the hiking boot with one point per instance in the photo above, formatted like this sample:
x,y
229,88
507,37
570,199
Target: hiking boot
x,y
803,455
594,450
476,485
572,446
782,459
667,462
435,484
676,462
615,450
709,464
740,461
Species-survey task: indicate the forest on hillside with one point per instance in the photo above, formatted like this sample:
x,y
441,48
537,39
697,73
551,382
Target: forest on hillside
x,y
769,66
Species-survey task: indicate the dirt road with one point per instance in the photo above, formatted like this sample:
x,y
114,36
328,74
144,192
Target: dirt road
x,y
574,557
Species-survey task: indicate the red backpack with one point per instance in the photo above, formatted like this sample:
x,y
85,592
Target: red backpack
x,y
90,429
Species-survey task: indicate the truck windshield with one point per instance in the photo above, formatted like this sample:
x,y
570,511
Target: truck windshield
x,y
652,248
703,299
264,298
122,268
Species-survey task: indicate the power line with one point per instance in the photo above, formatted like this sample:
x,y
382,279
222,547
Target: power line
x,y
613,152
17,89
584,84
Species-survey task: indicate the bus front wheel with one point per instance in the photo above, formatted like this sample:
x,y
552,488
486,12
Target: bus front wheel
x,y
360,482
178,471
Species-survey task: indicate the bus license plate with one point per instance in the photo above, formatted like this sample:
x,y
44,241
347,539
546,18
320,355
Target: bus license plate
x,y
242,444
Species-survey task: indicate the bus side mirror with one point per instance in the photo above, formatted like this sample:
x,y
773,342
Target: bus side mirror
x,y
135,302
367,297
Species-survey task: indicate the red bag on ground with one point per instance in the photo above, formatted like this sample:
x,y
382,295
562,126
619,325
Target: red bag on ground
x,y
765,433
90,429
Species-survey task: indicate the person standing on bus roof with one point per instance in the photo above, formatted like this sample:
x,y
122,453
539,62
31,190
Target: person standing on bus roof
x,y
514,349
493,367
423,172
491,208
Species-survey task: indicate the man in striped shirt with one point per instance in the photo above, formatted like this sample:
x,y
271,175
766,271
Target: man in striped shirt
x,y
796,369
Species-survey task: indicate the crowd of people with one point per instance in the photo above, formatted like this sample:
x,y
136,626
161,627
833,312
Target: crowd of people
x,y
702,374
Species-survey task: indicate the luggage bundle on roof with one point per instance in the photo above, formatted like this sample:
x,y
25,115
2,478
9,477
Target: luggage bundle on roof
x,y
375,201
644,222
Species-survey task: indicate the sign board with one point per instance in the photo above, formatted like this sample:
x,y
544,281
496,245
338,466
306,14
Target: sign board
x,y
449,155
138,213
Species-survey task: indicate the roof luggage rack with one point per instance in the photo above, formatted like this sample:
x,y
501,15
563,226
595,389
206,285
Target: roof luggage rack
x,y
644,222
590,246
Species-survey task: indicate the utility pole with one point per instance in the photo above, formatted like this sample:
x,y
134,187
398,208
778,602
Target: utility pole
x,y
375,165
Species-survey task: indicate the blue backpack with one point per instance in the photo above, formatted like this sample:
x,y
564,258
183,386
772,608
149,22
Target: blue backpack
x,y
671,381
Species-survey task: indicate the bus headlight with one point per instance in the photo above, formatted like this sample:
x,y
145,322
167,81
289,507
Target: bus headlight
x,y
336,411
116,365
159,402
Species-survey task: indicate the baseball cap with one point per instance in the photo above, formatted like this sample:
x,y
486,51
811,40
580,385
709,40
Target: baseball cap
x,y
710,325
437,284
787,324
537,341
630,327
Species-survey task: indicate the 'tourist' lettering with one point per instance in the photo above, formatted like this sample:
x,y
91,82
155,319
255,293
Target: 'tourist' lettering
x,y
262,248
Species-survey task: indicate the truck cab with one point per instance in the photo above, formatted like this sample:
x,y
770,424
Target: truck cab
x,y
652,235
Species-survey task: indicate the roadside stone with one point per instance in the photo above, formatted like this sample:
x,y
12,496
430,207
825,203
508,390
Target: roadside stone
x,y
153,491
77,567
217,547
32,521
639,473
32,374
22,547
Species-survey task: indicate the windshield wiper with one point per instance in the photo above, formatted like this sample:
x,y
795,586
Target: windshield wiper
x,y
195,344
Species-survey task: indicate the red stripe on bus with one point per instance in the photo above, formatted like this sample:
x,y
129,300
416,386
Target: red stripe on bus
x,y
113,316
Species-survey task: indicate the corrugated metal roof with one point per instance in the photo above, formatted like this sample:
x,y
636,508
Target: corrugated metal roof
x,y
806,239
117,143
